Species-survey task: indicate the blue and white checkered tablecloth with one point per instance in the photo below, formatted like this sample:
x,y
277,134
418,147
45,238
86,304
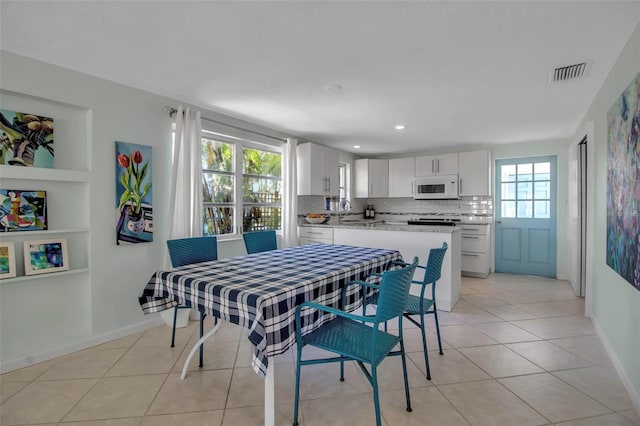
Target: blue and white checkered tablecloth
x,y
261,291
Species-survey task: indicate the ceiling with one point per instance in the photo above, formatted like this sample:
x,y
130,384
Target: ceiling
x,y
343,73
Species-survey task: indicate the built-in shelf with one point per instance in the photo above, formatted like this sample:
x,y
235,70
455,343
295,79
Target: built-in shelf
x,y
45,232
36,173
39,276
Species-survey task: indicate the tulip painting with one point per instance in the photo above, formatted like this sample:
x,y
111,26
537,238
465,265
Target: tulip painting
x,y
134,209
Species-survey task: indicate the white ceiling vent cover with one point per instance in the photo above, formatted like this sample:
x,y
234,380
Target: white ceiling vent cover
x,y
569,72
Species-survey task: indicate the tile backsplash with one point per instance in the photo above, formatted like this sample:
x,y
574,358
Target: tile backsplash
x,y
405,206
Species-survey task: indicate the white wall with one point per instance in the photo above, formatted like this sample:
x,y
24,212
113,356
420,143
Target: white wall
x,y
106,302
615,304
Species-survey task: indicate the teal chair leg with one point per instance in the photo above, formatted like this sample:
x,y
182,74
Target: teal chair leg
x,y
296,400
435,314
424,347
406,378
342,370
376,396
173,328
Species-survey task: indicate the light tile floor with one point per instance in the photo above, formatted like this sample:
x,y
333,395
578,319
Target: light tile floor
x,y
517,351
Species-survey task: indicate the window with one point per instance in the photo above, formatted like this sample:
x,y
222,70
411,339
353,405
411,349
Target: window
x,y
241,186
343,181
526,190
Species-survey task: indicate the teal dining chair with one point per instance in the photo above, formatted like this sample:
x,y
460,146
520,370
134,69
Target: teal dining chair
x,y
348,335
187,251
421,305
260,241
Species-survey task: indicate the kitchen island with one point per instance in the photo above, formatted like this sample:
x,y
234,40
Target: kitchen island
x,y
410,240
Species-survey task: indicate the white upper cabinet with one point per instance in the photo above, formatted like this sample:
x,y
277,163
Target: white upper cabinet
x,y
318,171
475,173
434,165
372,178
401,173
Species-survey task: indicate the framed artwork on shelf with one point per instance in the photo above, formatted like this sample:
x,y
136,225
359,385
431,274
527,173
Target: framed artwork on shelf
x,y
134,202
23,210
7,260
45,256
26,139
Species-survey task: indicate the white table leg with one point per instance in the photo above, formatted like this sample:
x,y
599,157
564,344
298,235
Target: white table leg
x,y
196,346
270,394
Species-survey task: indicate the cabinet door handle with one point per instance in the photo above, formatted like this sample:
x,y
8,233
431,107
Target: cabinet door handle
x,y
460,188
438,165
470,229
471,254
411,188
329,184
470,236
433,166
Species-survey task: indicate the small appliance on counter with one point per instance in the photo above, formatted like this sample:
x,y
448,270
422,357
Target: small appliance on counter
x,y
434,221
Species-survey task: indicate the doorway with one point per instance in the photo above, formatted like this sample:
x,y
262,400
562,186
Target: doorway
x,y
525,227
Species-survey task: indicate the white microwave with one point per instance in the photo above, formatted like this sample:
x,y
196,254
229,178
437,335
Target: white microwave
x,y
436,188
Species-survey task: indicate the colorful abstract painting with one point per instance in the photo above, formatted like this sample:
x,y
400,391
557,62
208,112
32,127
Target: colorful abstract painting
x,y
26,139
23,210
623,184
134,206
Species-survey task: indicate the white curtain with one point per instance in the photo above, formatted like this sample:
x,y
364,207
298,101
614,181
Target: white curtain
x,y
185,199
289,194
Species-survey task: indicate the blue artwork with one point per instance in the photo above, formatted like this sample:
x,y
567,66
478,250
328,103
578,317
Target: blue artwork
x,y
134,205
623,184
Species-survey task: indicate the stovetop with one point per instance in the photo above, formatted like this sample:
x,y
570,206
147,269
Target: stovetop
x,y
432,222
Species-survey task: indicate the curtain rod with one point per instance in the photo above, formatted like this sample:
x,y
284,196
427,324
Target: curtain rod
x,y
172,111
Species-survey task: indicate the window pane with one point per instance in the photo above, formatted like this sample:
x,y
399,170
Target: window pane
x,y
258,190
261,218
542,210
217,188
217,156
218,220
542,190
525,191
508,209
508,173
525,209
542,171
258,162
508,191
525,171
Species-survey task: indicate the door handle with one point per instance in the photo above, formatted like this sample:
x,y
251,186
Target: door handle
x,y
498,221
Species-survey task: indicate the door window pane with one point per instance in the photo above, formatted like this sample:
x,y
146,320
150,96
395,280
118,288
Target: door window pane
x,y
542,190
508,173
525,190
525,209
525,172
508,209
542,171
261,218
508,191
542,210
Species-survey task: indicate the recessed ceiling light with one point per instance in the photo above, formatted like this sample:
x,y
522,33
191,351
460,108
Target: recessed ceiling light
x,y
399,127
356,146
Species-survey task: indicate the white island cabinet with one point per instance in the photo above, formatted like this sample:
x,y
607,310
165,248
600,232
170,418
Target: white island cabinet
x,y
412,243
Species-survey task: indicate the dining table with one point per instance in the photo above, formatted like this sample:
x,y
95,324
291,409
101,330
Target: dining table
x,y
261,292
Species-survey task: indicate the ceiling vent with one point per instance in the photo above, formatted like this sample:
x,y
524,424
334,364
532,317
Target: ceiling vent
x,y
569,72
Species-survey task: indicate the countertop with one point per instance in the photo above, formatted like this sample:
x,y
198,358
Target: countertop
x,y
386,226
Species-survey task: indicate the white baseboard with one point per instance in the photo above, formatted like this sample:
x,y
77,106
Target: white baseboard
x,y
99,339
624,377
562,277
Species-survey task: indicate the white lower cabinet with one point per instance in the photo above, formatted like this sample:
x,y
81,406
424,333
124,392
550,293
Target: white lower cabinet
x,y
314,234
475,250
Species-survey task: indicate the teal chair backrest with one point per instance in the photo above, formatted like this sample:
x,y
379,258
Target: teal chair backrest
x,y
394,292
259,241
434,264
186,251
